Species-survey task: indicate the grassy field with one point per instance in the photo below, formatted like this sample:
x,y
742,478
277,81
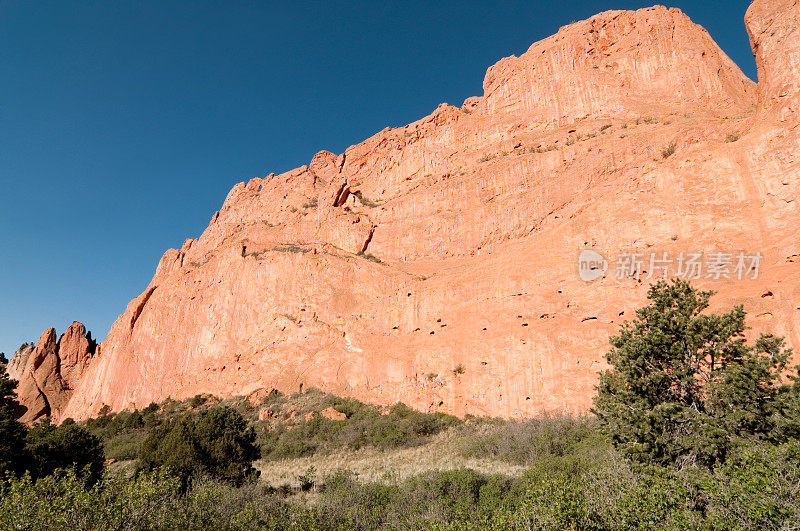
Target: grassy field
x,y
445,451
300,445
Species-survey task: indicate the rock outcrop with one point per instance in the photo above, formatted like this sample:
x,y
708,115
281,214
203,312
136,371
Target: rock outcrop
x,y
775,39
49,371
620,64
436,263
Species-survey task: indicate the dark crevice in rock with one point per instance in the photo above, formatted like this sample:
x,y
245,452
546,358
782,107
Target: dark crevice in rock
x,y
47,410
341,195
368,240
138,311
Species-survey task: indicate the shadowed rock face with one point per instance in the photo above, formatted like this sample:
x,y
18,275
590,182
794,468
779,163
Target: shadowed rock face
x,y
48,371
436,263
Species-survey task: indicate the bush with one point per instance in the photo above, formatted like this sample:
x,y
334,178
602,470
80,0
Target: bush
x,y
8,393
13,458
364,200
668,150
538,439
368,256
44,448
12,432
124,446
460,499
197,401
68,446
758,488
364,426
149,500
216,442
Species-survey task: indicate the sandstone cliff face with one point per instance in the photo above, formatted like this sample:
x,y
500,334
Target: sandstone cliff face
x,y
775,39
436,263
49,371
16,364
620,64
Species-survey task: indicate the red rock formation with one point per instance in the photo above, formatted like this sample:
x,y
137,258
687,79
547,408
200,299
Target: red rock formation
x,y
17,363
49,371
775,39
332,414
436,263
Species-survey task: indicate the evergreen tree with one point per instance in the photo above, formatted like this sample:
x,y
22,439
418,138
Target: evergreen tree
x,y
216,442
12,432
684,386
8,394
67,446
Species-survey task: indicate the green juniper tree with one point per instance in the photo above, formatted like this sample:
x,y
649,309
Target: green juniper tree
x,y
66,446
8,391
45,447
216,442
12,432
684,386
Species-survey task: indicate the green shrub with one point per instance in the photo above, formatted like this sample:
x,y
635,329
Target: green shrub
x,y
348,504
67,446
534,440
368,256
13,458
8,393
291,248
197,401
124,446
12,433
364,200
215,442
364,426
149,500
135,420
755,489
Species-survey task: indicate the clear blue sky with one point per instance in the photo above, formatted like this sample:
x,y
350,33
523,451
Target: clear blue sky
x,y
123,124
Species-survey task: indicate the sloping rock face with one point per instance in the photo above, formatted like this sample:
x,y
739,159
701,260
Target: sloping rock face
x,y
16,364
775,39
436,263
49,371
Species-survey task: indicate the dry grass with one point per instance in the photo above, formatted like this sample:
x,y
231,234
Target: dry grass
x,y
443,452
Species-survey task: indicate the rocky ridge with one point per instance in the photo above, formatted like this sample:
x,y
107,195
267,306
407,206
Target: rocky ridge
x,y
49,371
436,263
